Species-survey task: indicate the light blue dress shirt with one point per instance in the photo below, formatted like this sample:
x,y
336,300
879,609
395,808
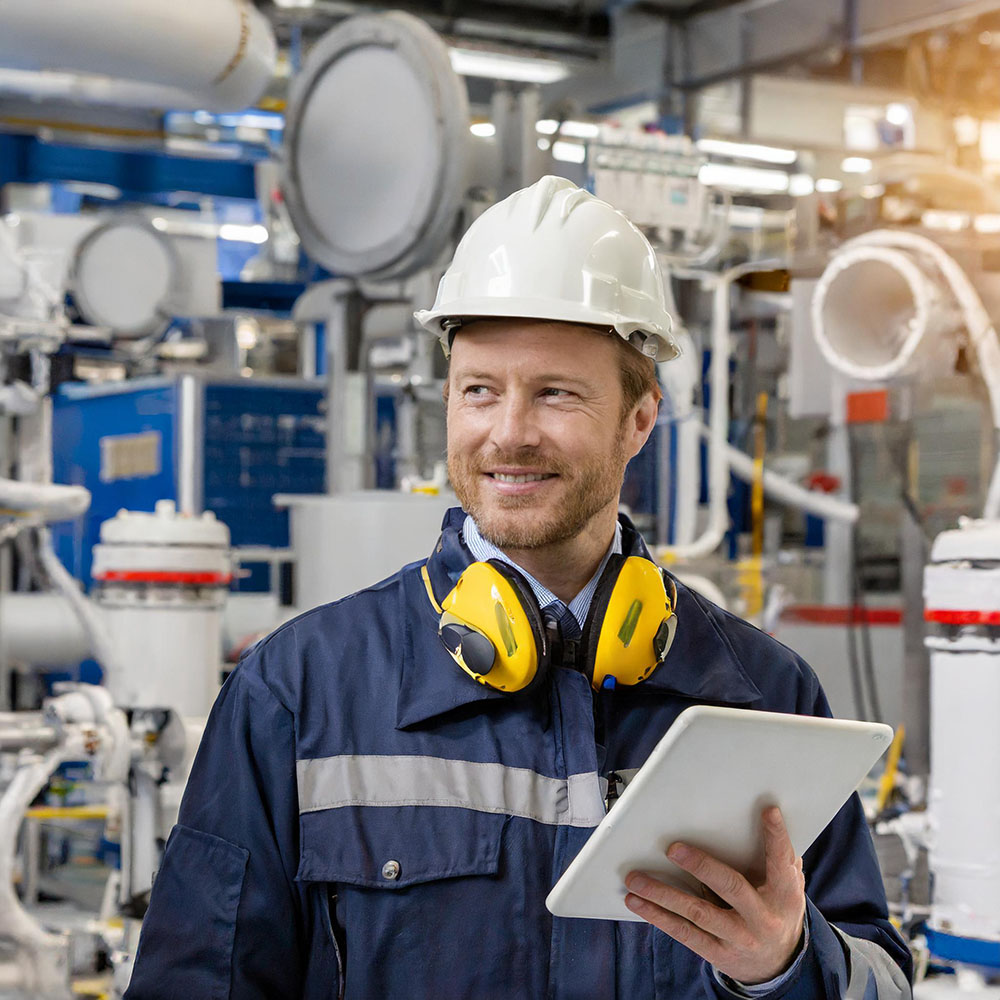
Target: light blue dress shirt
x,y
483,549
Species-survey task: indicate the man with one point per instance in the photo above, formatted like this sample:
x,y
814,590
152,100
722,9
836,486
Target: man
x,y
366,820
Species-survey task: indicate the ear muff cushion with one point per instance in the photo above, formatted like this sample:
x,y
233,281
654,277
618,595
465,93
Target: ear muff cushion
x,y
625,626
492,614
595,616
531,610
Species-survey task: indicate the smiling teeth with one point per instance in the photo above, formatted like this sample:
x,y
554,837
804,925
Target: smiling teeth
x,y
533,478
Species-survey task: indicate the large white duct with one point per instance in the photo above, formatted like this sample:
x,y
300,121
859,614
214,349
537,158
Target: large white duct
x,y
213,54
879,312
894,303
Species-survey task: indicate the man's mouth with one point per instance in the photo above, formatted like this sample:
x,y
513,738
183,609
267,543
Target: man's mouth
x,y
527,477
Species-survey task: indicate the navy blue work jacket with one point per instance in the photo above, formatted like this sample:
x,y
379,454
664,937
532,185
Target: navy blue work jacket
x,y
364,820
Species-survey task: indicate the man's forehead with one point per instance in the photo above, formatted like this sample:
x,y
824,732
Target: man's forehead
x,y
540,332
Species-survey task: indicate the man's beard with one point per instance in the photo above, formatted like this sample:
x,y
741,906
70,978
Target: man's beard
x,y
590,489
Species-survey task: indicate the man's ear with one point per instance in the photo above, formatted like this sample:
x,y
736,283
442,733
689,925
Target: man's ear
x,y
641,421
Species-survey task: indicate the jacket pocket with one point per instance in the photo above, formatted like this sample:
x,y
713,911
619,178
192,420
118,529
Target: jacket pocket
x,y
394,847
407,889
201,877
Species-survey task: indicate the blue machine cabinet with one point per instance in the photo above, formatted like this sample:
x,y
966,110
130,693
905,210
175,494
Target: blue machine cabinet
x,y
220,444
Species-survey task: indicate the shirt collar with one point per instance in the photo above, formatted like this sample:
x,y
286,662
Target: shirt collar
x,y
483,549
701,664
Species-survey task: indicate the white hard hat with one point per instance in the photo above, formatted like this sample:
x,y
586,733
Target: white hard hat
x,y
554,251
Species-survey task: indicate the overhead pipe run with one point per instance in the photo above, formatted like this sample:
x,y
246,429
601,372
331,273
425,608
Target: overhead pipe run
x,y
215,55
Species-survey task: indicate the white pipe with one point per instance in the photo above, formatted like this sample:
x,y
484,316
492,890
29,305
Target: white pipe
x,y
50,501
44,957
90,619
718,465
679,378
220,52
42,629
83,89
328,302
789,493
705,587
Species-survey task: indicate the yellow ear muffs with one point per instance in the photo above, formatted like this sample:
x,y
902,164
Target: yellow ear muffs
x,y
631,623
491,626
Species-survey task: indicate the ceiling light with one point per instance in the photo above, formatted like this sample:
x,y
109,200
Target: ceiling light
x,y
827,185
743,178
569,152
747,151
485,130
953,222
243,234
502,66
987,223
856,165
544,144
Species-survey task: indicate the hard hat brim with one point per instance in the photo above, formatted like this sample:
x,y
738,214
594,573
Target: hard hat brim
x,y
434,320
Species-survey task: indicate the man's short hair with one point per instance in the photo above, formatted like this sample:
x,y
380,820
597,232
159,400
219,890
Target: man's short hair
x,y
638,374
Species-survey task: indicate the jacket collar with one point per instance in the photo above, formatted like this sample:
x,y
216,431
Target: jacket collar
x,y
701,664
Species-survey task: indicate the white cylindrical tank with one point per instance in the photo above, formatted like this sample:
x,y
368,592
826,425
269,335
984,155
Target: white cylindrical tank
x,y
348,541
162,580
962,601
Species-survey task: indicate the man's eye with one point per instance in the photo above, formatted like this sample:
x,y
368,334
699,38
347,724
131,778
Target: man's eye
x,y
477,390
552,391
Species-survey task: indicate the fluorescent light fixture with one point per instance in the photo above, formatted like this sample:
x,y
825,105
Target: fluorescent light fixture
x,y
856,165
897,113
746,216
502,66
987,223
747,151
801,184
952,222
569,152
743,178
243,234
485,130
828,185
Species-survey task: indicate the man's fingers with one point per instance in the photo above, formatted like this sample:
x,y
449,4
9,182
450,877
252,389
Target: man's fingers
x,y
699,912
681,930
727,883
781,865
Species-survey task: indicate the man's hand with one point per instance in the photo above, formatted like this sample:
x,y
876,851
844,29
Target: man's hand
x,y
753,942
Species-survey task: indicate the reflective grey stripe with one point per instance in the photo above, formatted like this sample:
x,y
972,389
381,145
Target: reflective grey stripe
x,y
869,961
335,782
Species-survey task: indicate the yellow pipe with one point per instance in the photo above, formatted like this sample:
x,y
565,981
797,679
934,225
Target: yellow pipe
x,y
67,812
888,780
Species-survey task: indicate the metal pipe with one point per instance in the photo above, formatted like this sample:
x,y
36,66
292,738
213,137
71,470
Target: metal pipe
x,y
220,53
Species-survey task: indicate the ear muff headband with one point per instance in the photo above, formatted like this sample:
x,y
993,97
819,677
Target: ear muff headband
x,y
491,625
631,623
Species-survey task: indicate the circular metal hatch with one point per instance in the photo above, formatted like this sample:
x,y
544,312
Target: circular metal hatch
x,y
376,138
123,276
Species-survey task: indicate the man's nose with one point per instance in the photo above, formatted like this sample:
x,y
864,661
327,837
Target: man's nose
x,y
516,424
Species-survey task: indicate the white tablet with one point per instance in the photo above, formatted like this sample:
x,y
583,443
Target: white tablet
x,y
706,783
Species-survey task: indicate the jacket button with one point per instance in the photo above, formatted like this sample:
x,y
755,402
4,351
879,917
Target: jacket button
x,y
390,870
